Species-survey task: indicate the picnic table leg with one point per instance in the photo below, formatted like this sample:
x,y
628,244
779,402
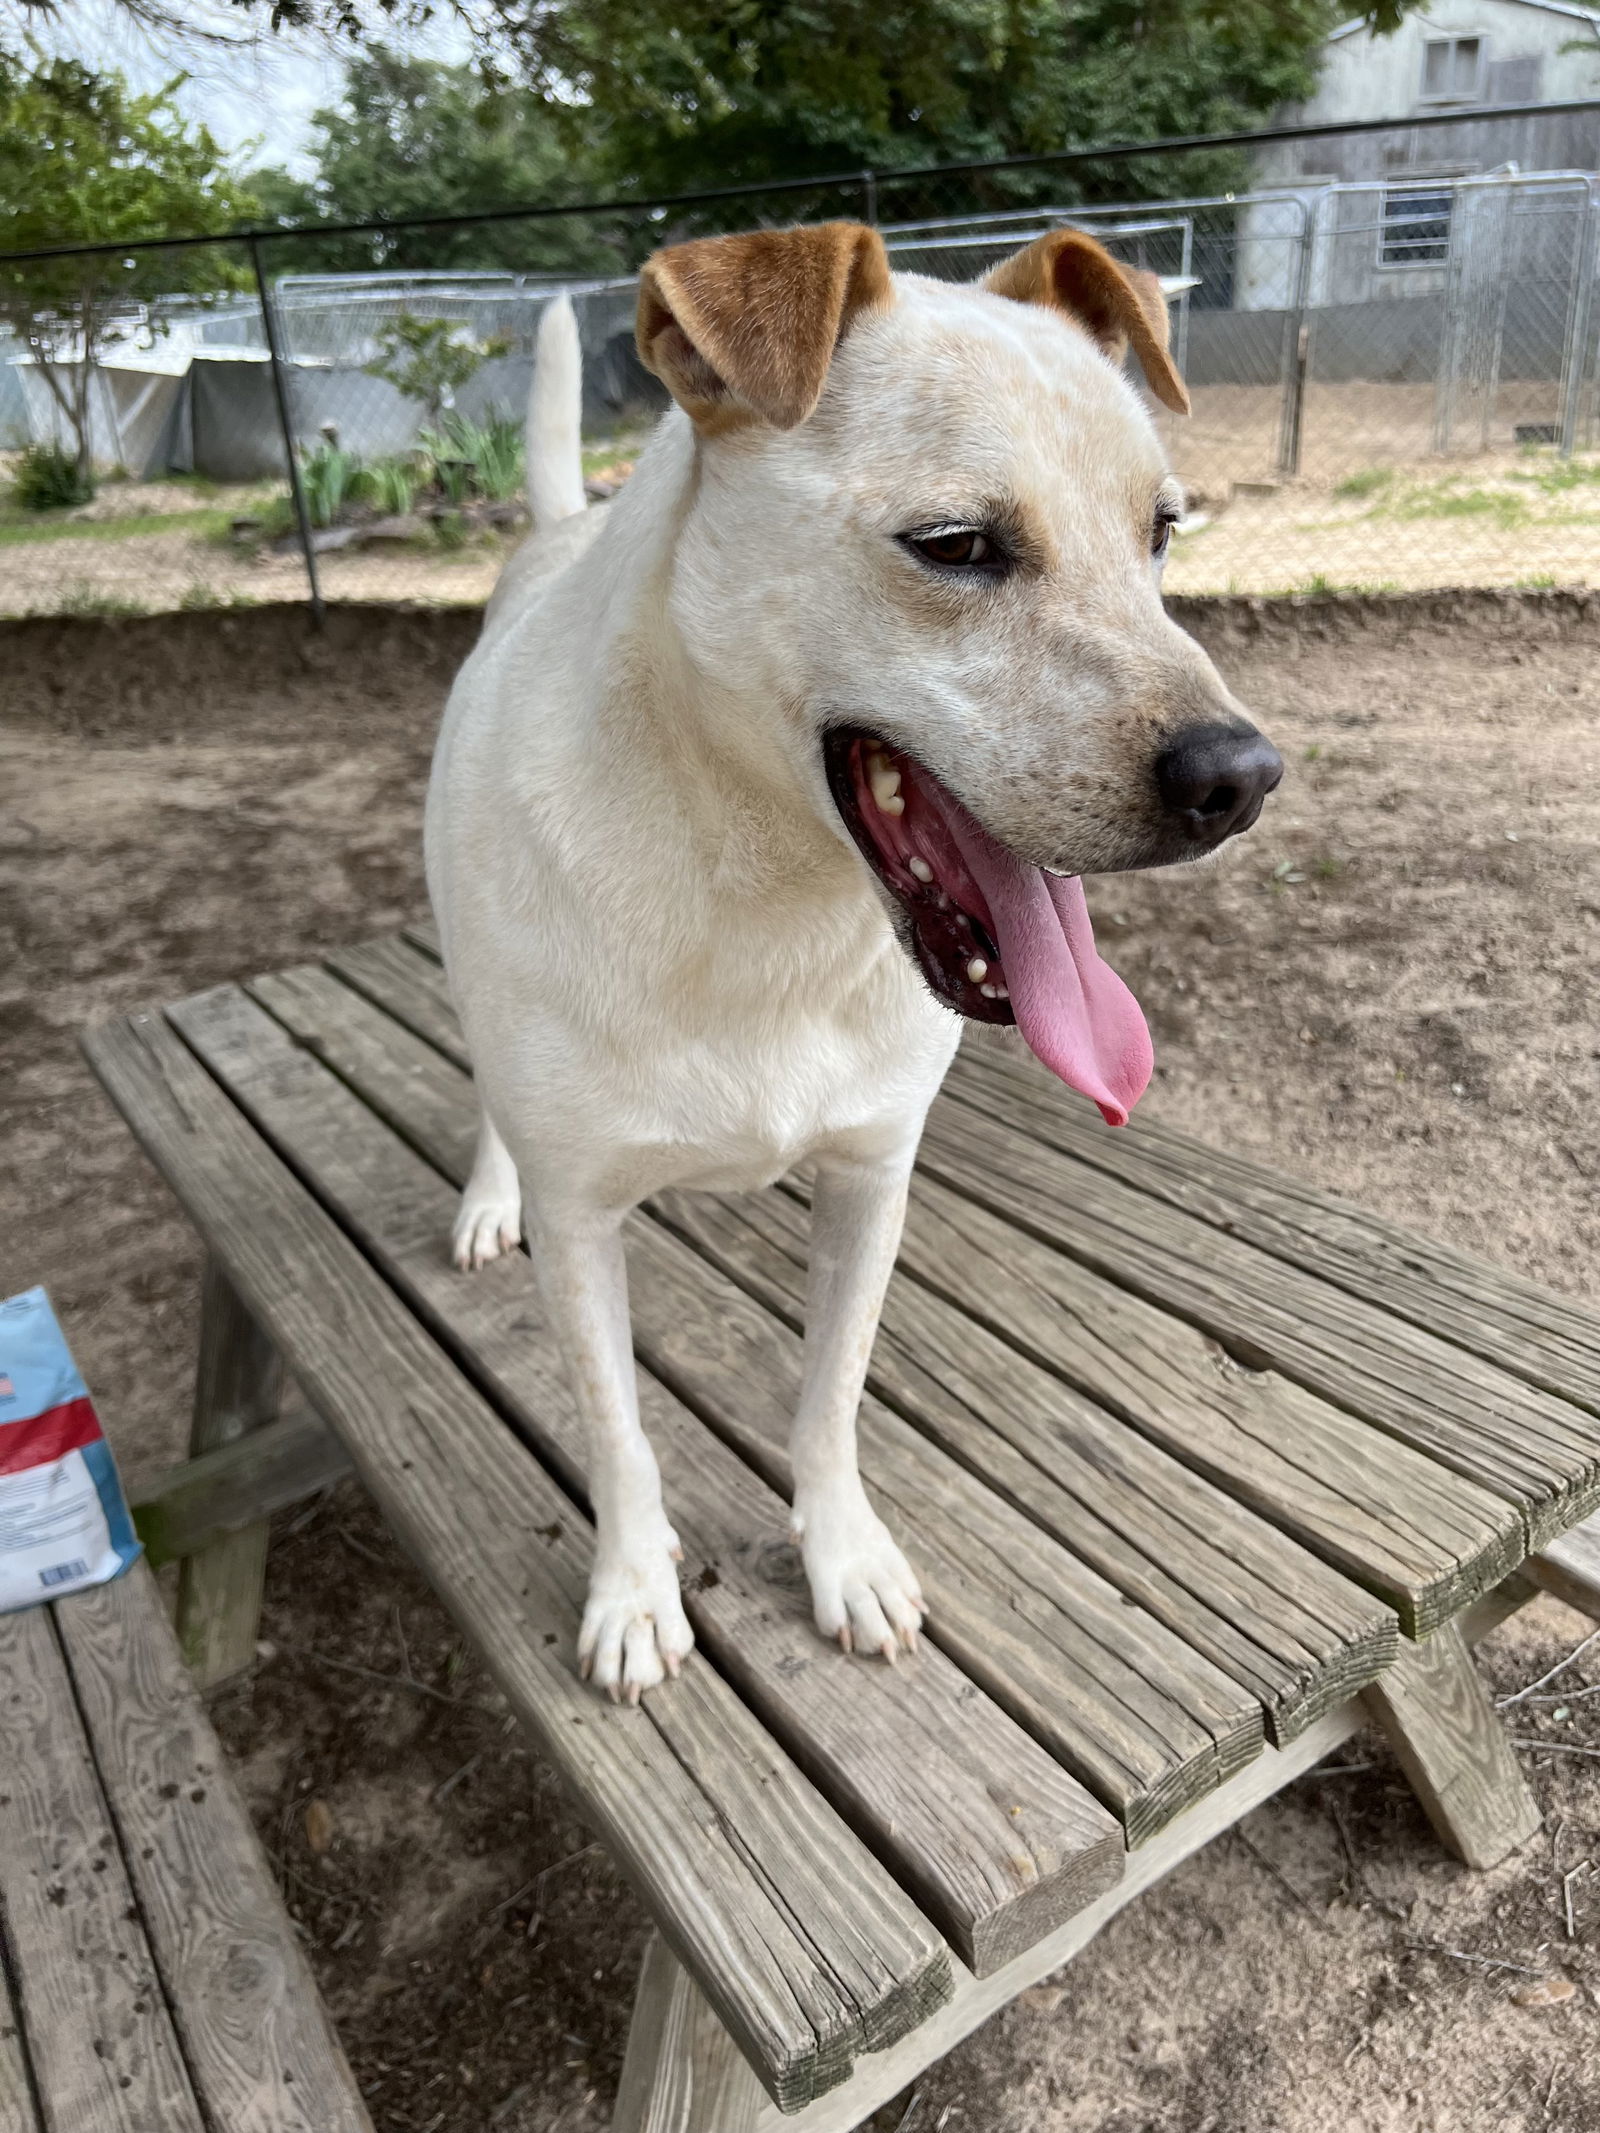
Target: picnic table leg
x,y
682,2072
238,1386
1454,1750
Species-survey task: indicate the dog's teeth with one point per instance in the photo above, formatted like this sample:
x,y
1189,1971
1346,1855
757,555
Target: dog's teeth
x,y
920,868
990,992
1002,992
885,782
978,970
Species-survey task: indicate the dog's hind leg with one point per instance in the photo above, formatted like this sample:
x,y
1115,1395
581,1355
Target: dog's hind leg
x,y
634,1629
863,1590
489,1220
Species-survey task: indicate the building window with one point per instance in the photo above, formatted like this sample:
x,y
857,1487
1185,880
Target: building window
x,y
1415,229
1450,67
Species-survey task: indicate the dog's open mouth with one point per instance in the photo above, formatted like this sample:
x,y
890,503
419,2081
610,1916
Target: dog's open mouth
x,y
997,938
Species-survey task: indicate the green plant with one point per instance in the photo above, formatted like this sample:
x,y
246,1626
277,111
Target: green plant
x,y
329,479
1365,483
450,532
84,599
467,458
430,359
49,478
390,485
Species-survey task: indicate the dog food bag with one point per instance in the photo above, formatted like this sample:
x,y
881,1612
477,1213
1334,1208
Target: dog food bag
x,y
64,1520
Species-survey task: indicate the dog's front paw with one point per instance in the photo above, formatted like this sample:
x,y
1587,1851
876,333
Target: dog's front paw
x,y
863,1591
488,1224
634,1630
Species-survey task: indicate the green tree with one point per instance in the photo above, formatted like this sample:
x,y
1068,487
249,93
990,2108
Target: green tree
x,y
691,93
415,137
84,160
430,359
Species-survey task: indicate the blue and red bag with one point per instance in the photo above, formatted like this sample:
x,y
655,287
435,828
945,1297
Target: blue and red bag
x,y
64,1521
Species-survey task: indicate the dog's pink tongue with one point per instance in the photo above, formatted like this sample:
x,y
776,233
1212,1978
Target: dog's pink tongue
x,y
1074,1010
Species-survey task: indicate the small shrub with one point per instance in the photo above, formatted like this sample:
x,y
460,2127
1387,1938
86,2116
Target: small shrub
x,y
450,532
390,485
329,476
47,478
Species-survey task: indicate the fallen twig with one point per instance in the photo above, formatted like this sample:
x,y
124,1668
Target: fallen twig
x,y
1462,1955
1521,1695
1554,1747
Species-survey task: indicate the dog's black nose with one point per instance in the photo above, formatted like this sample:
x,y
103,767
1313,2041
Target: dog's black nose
x,y
1213,780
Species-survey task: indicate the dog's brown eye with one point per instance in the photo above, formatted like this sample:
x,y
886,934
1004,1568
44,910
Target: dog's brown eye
x,y
956,548
1161,532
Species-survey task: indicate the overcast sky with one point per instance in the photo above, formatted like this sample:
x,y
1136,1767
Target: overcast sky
x,y
263,91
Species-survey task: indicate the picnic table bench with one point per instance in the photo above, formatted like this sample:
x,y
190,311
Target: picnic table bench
x,y
1201,1469
150,1977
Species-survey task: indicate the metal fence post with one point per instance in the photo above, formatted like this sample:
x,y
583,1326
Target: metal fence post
x,y
280,392
1297,349
869,196
1576,354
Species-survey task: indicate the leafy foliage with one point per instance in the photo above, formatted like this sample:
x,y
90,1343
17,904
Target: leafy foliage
x,y
415,137
430,359
85,160
46,478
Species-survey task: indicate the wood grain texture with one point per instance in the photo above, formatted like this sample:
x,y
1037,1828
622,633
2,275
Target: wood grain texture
x,y
190,1506
17,2112
975,1999
1551,1340
1570,1567
1454,1750
101,2044
1262,1608
260,2050
238,1386
1537,1454
995,1841
1135,1714
801,1941
680,2073
408,985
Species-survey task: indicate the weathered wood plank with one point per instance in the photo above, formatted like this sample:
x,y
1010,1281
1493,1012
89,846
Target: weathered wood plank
x,y
1535,1452
259,2047
1535,1333
190,1506
680,2073
997,1843
238,1386
1264,1609
101,2044
1570,1567
1138,1716
1421,1536
800,1940
424,934
17,2112
1454,1750
976,1999
409,985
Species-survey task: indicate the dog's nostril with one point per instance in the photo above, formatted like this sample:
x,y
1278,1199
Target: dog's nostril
x,y
1214,779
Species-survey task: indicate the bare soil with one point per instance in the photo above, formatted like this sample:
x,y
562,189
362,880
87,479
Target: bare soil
x,y
1387,988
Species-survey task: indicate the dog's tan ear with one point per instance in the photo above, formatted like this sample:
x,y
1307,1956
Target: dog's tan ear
x,y
1115,304
742,326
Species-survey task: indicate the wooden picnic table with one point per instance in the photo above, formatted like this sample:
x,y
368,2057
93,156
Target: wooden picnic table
x,y
1201,1469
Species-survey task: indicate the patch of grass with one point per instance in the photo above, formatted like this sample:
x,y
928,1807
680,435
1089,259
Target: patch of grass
x,y
1562,475
1444,500
1365,483
22,533
1541,581
198,597
82,599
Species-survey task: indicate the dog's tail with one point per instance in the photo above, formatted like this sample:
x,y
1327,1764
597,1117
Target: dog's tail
x,y
555,409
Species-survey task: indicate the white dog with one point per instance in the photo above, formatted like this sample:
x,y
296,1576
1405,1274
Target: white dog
x,y
751,792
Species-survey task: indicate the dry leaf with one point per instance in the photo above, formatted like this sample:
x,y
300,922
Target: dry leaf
x,y
1046,1998
1544,1992
319,1825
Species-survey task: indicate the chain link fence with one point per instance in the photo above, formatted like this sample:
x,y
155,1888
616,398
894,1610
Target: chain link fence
x,y
1395,379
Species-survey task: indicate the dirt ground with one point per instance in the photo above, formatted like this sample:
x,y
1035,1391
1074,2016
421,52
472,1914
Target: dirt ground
x,y
1388,988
